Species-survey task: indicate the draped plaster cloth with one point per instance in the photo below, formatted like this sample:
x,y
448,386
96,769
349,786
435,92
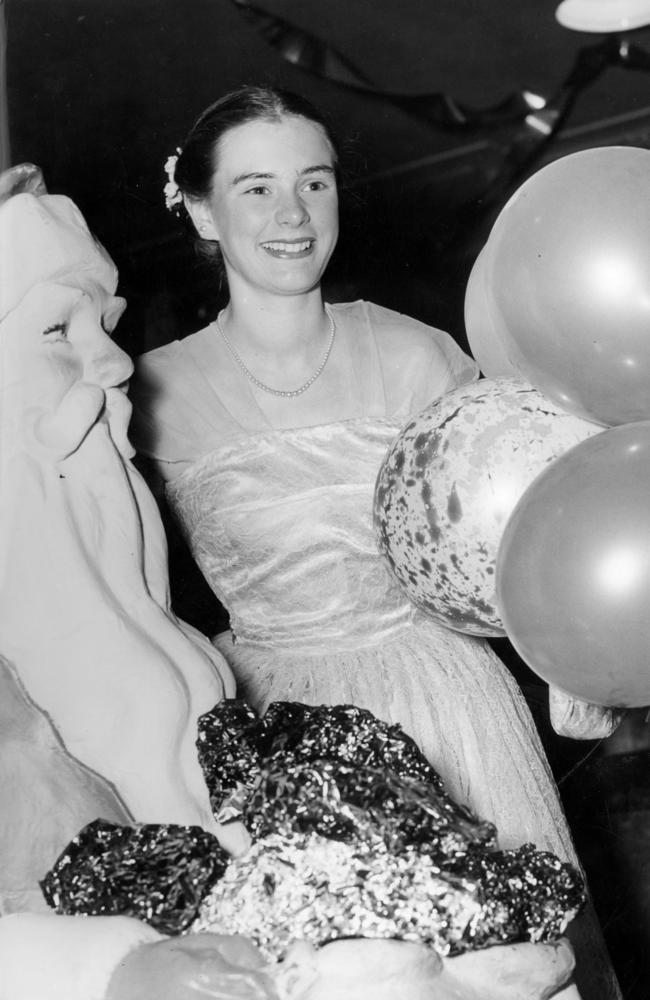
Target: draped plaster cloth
x,y
85,615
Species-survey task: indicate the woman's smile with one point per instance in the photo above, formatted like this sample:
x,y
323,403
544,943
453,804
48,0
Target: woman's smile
x,y
286,249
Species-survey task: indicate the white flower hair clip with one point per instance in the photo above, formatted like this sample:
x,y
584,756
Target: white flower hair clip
x,y
173,196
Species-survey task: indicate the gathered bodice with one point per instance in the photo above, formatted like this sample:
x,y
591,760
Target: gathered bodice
x,y
277,509
281,525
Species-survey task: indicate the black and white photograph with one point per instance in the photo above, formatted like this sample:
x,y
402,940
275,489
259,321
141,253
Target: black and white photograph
x,y
324,500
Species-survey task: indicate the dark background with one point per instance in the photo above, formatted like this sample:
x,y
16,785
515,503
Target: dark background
x,y
100,92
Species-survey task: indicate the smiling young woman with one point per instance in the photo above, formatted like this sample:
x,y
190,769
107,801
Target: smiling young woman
x,y
269,427
273,206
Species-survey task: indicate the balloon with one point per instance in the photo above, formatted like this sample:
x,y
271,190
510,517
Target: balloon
x,y
486,337
568,268
573,570
448,485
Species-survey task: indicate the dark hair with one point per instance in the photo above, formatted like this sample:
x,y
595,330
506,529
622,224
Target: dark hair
x,y
197,160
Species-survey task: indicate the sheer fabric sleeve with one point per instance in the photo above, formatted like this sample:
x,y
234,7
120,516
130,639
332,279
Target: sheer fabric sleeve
x,y
177,416
419,363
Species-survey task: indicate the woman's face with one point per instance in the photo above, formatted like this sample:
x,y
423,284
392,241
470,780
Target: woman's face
x,y
59,335
274,205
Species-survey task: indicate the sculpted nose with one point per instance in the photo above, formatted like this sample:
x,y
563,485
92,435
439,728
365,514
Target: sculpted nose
x,y
110,368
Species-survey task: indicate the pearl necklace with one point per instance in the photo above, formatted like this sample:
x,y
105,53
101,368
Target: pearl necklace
x,y
291,393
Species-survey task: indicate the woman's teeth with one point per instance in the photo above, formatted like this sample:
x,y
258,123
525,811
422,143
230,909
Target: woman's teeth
x,y
288,247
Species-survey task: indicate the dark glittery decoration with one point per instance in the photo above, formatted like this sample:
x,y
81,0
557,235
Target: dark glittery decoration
x,y
227,748
358,803
532,890
233,742
344,733
157,873
354,835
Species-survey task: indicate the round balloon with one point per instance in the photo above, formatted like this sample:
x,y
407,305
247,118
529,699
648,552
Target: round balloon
x,y
485,334
448,485
568,269
573,570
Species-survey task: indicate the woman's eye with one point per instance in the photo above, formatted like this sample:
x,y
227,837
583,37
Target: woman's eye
x,y
56,332
316,186
258,189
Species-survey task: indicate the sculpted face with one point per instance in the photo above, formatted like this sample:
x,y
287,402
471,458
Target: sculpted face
x,y
60,372
59,335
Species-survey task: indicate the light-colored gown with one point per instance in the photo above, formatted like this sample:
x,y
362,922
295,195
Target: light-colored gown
x,y
280,522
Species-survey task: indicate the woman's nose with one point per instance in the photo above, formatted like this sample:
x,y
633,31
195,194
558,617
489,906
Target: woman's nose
x,y
291,210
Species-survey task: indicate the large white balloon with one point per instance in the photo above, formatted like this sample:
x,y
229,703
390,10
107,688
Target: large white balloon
x,y
486,335
448,486
573,570
568,270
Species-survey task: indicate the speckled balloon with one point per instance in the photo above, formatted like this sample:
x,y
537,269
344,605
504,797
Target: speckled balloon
x,y
449,484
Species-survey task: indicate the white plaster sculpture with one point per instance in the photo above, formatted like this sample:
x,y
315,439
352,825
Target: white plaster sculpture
x,y
46,797
85,614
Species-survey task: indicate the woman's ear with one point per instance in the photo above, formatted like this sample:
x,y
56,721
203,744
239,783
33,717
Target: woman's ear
x,y
201,216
